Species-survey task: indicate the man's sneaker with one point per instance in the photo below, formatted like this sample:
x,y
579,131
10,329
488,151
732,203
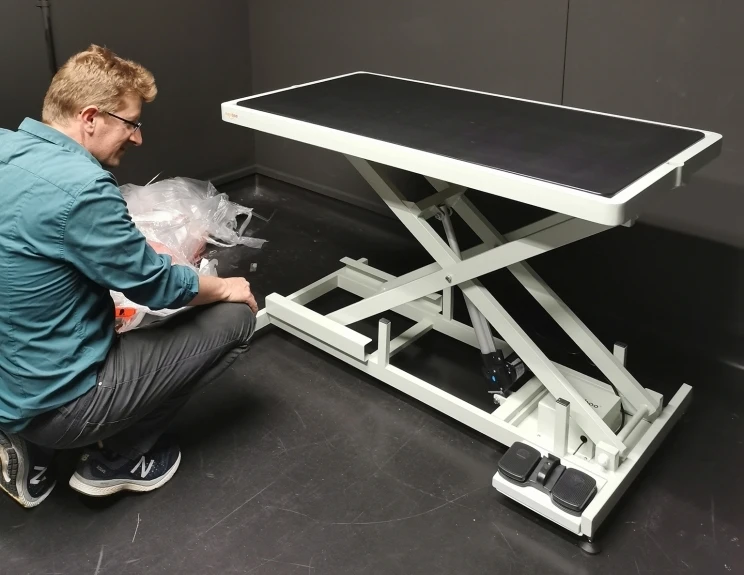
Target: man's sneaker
x,y
101,472
25,470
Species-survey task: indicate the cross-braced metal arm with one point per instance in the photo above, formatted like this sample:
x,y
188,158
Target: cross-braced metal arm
x,y
497,252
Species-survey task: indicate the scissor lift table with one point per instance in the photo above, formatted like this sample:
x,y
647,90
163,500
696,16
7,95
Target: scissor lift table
x,y
576,443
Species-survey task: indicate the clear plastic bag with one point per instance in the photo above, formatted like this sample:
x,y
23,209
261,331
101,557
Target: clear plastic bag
x,y
183,215
179,217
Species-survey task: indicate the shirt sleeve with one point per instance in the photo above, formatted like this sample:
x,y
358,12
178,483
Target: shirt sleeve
x,y
102,243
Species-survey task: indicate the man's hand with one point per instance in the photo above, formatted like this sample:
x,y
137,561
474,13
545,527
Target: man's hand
x,y
238,290
213,289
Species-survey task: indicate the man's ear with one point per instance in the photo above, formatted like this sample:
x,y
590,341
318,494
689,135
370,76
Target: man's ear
x,y
89,117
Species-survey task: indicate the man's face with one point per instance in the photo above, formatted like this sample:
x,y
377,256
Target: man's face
x,y
110,136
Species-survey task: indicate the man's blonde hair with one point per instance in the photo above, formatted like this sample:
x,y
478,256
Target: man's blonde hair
x,y
95,77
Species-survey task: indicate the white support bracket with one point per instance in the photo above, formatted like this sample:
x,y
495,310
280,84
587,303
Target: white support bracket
x,y
340,337
468,269
620,351
383,343
560,434
610,365
448,196
365,281
455,270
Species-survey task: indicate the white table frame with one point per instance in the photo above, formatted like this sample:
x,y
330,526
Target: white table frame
x,y
425,297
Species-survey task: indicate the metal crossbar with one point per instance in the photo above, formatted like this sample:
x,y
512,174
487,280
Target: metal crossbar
x,y
497,252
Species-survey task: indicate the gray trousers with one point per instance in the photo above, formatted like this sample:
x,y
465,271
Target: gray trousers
x,y
148,375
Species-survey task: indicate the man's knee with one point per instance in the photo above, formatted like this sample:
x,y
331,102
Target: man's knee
x,y
241,319
248,322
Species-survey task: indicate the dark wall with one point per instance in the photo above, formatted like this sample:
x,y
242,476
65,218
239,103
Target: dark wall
x,y
500,45
23,63
676,61
198,51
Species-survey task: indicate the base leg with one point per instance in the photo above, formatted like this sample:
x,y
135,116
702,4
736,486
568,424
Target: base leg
x,y
590,546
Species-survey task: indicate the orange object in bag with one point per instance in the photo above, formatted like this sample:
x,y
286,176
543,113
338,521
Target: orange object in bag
x,y
125,312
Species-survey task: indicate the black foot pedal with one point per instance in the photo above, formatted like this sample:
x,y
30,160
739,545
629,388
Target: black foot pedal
x,y
573,491
519,462
570,490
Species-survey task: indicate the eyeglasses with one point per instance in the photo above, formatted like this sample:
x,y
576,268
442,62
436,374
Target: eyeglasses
x,y
135,125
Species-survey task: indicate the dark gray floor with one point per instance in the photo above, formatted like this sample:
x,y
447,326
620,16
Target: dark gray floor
x,y
296,463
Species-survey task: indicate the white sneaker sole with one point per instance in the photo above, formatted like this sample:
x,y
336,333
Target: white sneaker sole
x,y
104,488
17,479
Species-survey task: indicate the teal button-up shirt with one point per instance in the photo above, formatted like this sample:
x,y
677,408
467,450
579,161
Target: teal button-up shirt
x,y
66,240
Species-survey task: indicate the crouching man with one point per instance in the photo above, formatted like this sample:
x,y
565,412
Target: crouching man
x,y
67,380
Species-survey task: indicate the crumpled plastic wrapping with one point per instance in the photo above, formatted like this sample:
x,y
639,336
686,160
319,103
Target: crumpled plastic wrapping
x,y
183,215
179,217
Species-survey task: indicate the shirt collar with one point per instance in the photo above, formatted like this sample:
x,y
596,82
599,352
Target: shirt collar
x,y
54,136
